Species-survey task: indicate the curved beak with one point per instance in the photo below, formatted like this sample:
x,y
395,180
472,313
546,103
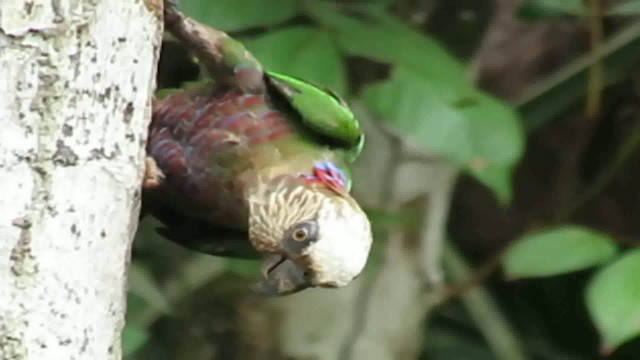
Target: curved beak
x,y
281,276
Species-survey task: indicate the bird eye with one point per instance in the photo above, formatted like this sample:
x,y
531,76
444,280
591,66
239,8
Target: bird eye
x,y
300,234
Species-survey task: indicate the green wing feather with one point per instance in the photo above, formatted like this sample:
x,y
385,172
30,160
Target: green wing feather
x,y
321,110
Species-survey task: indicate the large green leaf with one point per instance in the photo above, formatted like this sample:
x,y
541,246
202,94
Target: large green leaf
x,y
301,51
498,142
472,129
613,300
230,15
388,40
557,251
416,107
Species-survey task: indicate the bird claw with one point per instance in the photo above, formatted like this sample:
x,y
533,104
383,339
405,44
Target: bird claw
x,y
153,176
171,13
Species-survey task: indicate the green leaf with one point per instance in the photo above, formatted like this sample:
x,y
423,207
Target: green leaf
x,y
388,40
304,52
472,129
557,251
543,9
231,15
143,285
627,8
498,140
415,106
430,96
496,177
613,300
133,338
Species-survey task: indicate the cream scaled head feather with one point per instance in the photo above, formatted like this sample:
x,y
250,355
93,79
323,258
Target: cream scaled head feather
x,y
316,237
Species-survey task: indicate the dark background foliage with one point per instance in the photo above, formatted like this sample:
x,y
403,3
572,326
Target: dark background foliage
x,y
533,103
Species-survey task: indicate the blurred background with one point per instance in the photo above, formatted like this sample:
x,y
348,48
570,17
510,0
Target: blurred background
x,y
500,175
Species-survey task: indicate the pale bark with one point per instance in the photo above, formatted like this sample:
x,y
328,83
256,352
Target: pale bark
x,y
76,79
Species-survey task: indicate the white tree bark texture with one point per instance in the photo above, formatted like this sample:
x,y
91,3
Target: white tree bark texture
x,y
76,79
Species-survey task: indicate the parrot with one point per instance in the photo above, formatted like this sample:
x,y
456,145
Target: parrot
x,y
255,164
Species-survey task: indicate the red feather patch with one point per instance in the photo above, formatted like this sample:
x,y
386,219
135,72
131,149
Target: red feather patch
x,y
328,174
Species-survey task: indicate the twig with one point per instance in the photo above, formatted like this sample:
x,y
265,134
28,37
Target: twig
x,y
627,149
623,155
483,310
594,91
567,176
190,276
476,278
433,232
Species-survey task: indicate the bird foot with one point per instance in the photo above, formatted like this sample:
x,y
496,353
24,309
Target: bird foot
x,y
153,176
171,13
225,59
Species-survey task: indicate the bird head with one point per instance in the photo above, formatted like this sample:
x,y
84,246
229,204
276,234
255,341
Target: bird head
x,y
313,236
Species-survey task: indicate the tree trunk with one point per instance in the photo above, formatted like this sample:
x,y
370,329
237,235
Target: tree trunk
x,y
76,79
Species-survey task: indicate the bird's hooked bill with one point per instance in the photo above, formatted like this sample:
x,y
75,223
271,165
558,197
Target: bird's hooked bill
x,y
285,278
